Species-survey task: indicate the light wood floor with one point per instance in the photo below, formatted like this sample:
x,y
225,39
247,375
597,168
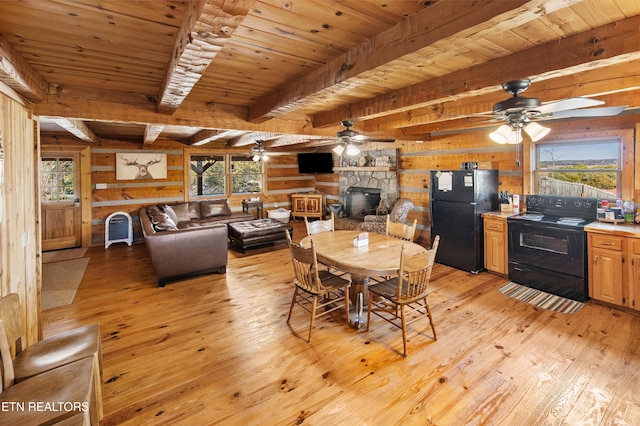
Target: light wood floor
x,y
217,350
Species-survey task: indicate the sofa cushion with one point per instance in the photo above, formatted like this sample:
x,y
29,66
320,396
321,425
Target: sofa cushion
x,y
182,211
171,213
212,208
194,210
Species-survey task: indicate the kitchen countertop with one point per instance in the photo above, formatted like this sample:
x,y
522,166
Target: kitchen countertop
x,y
619,229
497,214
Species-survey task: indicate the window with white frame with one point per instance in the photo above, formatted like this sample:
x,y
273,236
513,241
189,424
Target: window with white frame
x,y
579,168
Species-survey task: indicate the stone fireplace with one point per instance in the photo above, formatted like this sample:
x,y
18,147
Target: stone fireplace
x,y
369,180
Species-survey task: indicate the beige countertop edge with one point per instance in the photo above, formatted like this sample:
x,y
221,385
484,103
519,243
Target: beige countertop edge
x,y
620,229
498,214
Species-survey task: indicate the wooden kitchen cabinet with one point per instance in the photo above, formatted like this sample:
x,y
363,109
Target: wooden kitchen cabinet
x,y
495,244
634,273
606,268
309,205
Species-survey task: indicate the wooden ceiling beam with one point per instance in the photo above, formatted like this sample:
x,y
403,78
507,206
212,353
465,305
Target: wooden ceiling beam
x,y
151,133
207,26
598,48
469,21
77,128
613,81
16,73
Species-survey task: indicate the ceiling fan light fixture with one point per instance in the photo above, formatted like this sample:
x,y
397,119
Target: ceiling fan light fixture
x,y
352,149
502,134
256,157
536,131
339,150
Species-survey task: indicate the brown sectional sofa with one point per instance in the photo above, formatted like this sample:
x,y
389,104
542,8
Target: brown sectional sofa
x,y
188,239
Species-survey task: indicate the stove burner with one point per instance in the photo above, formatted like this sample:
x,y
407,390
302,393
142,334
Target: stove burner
x,y
530,216
570,220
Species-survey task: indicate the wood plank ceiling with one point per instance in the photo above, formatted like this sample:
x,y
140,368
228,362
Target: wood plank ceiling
x,y
228,72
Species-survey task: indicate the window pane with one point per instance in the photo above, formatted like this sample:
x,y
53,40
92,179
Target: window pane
x,y
575,168
246,175
206,175
57,179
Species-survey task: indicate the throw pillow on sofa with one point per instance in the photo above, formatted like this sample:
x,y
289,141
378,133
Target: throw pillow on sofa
x,y
212,208
172,214
162,222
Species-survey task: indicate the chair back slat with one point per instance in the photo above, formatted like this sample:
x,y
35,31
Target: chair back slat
x,y
401,230
415,273
305,266
318,226
11,314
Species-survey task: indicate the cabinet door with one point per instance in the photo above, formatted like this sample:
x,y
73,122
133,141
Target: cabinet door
x,y
494,252
606,280
299,204
634,274
313,205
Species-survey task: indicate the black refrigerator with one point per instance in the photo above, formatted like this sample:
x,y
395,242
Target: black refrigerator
x,y
458,199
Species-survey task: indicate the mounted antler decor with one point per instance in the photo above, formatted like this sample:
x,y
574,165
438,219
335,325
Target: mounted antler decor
x,y
136,166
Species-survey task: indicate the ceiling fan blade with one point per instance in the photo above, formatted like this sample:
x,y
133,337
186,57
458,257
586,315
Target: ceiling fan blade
x,y
567,104
590,112
375,140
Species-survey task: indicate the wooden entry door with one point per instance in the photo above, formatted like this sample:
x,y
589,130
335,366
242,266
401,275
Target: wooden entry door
x,y
60,196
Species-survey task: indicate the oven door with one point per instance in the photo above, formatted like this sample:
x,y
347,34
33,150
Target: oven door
x,y
545,246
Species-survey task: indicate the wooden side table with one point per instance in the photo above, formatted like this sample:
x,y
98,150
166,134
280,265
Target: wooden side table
x,y
248,204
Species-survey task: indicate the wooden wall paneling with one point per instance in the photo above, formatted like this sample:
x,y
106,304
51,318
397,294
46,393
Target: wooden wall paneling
x,y
21,264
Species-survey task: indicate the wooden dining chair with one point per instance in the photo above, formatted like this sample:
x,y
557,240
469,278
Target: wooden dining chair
x,y
401,230
68,391
403,299
317,226
317,291
52,352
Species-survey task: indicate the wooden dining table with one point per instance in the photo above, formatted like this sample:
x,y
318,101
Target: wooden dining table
x,y
380,257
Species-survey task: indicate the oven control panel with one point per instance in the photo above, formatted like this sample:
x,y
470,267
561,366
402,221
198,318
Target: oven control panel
x,y
560,205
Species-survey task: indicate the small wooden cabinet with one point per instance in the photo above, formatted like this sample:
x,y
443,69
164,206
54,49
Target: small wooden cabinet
x,y
614,268
309,205
495,244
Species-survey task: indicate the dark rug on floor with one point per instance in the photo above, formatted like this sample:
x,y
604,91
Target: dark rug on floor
x,y
543,300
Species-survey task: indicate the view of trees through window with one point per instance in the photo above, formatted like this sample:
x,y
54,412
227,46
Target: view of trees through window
x,y
573,168
56,176
208,175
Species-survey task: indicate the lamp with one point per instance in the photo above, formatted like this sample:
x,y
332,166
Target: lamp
x,y
506,135
339,149
536,131
352,149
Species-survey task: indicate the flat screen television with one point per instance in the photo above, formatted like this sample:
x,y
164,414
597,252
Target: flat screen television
x,y
315,162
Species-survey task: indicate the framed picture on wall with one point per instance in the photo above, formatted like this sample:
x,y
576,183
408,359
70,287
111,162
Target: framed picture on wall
x,y
138,165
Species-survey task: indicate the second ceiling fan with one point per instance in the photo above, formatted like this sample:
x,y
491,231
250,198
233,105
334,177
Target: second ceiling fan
x,y
348,138
521,113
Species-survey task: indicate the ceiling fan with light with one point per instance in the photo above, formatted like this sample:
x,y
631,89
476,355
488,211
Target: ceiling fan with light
x,y
348,138
521,113
259,152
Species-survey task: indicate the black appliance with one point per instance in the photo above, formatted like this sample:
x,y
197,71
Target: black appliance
x,y
458,199
548,244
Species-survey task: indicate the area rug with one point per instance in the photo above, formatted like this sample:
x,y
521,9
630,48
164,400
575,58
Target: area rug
x,y
67,254
540,299
60,281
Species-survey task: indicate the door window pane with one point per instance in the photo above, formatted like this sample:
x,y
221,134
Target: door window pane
x,y
56,175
